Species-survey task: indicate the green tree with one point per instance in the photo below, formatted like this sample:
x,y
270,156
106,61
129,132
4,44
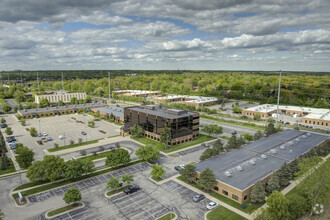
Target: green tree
x,y
127,178
247,136
91,123
19,96
88,99
258,135
237,110
278,206
54,166
316,187
165,136
273,184
6,108
148,152
33,132
206,179
23,122
117,157
270,129
73,169
212,129
257,117
2,216
284,175
188,172
136,130
3,120
36,172
24,156
258,193
74,101
218,147
157,171
235,142
9,131
72,195
44,103
113,183
298,205
207,153
87,166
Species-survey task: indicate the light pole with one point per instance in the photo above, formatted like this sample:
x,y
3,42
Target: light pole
x,y
278,98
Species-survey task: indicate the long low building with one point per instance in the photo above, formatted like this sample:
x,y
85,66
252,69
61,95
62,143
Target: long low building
x,y
60,96
58,110
117,113
310,116
197,101
236,172
137,93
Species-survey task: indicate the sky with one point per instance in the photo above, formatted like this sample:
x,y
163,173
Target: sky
x,y
270,35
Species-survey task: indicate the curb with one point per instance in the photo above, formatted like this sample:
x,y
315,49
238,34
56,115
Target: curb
x,y
54,216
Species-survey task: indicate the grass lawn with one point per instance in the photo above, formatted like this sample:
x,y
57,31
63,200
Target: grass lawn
x,y
168,216
201,139
115,191
73,145
225,137
250,207
10,168
233,122
223,214
63,182
63,209
97,156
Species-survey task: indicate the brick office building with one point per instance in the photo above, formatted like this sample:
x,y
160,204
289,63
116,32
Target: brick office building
x,y
236,172
183,125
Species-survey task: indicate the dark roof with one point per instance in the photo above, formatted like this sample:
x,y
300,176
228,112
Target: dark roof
x,y
162,111
57,108
263,167
116,111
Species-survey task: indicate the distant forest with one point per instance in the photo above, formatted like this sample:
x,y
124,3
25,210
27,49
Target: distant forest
x,y
297,88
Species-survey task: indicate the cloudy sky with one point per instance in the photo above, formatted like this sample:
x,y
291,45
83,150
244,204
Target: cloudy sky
x,y
165,34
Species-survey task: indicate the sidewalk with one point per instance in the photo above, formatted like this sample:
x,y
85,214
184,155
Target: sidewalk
x,y
239,212
183,149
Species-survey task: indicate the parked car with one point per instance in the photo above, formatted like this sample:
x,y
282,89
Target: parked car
x,y
49,139
131,189
39,135
44,139
234,132
44,134
212,205
83,133
39,142
12,145
11,139
198,197
178,168
3,125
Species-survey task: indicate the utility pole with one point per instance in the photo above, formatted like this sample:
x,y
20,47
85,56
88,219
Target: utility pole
x,y
21,78
8,76
109,86
278,98
62,82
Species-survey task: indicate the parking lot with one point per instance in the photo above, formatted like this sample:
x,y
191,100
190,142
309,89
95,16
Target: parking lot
x,y
55,126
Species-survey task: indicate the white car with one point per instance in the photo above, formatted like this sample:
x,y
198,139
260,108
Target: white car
x,y
44,134
212,205
182,166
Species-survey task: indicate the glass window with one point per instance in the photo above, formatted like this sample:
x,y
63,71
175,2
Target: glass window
x,y
216,188
245,198
234,197
224,192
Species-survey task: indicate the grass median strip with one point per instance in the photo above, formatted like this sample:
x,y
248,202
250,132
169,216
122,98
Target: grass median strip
x,y
201,139
64,182
223,214
115,191
168,216
233,122
10,168
73,145
250,207
64,209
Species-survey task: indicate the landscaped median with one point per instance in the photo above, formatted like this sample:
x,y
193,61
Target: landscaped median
x,y
73,145
44,186
116,191
201,139
64,209
168,216
233,122
250,207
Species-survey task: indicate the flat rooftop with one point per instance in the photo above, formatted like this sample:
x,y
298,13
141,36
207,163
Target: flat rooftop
x,y
116,111
282,147
162,111
48,109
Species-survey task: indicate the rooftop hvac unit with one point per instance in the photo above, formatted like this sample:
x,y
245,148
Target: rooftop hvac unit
x,y
304,136
297,139
239,168
308,134
263,156
46,108
228,173
282,147
252,162
290,143
273,151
